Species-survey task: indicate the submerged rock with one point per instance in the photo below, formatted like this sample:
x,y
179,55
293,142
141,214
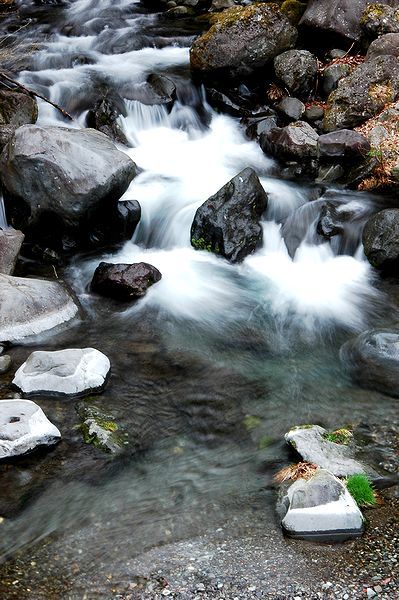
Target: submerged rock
x,y
381,239
59,181
71,372
297,69
10,244
31,306
372,360
242,39
23,428
101,430
124,282
363,93
321,509
312,443
228,222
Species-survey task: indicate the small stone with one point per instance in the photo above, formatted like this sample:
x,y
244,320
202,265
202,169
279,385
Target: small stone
x,y
5,363
370,593
378,589
200,587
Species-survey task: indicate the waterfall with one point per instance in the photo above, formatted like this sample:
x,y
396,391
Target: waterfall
x,y
3,218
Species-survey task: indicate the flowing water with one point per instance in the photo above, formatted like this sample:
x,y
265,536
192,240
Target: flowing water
x,y
218,360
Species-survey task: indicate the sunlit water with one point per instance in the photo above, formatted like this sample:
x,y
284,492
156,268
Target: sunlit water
x,y
212,342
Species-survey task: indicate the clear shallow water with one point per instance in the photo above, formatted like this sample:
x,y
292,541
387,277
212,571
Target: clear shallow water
x,y
212,343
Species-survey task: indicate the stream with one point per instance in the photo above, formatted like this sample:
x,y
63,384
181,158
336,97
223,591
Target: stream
x,y
218,361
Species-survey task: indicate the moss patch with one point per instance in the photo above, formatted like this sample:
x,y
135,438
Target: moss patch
x,y
251,422
340,436
361,490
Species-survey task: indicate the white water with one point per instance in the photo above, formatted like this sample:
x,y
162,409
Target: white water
x,y
183,164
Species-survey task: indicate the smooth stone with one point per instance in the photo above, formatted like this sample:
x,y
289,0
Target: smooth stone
x,y
5,363
314,113
30,306
332,75
124,281
381,239
296,141
23,428
10,245
292,108
72,372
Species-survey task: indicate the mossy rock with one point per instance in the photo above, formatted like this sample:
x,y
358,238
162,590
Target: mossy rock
x,y
100,429
293,10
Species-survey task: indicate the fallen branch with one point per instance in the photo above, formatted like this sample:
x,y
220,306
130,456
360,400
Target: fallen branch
x,y
33,94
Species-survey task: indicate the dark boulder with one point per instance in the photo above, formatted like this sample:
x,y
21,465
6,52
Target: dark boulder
x,y
332,220
386,45
343,145
297,69
242,39
124,282
372,360
228,222
332,75
381,239
260,126
314,113
297,141
292,108
60,182
363,93
104,117
379,19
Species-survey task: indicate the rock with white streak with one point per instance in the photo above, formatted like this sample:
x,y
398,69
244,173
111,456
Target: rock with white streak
x,y
24,427
74,372
30,306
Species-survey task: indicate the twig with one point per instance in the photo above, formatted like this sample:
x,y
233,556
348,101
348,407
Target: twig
x,y
32,93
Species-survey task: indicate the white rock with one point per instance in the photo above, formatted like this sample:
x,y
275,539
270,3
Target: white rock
x,y
72,371
31,306
321,509
23,427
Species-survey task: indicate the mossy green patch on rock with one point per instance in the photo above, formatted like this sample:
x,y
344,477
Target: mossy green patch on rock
x,y
361,490
100,430
201,244
251,422
339,436
293,10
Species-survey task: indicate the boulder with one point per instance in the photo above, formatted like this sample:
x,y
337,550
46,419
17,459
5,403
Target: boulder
x,y
372,360
314,113
344,145
297,141
311,443
124,282
362,94
58,181
255,130
321,509
379,19
294,10
381,239
23,428
333,218
31,306
386,45
228,222
10,245
104,117
101,430
292,108
297,69
17,109
332,75
69,372
243,39
5,363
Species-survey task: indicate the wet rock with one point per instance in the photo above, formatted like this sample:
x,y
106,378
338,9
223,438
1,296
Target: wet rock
x,y
69,372
386,45
310,441
219,5
332,220
256,129
58,180
101,430
379,19
372,360
223,102
314,113
381,239
344,145
228,222
156,90
104,117
321,509
292,108
31,306
10,245
17,109
6,133
23,428
363,93
243,39
117,227
332,76
297,69
5,363
297,141
124,282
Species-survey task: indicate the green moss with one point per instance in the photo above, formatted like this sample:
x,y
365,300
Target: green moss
x,y
293,10
373,11
340,436
301,427
200,244
264,442
361,490
251,422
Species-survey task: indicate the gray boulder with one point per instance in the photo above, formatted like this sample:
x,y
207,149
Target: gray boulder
x,y
10,244
379,19
124,281
242,39
23,428
297,141
292,108
321,509
372,360
59,181
344,145
381,239
228,222
332,75
362,94
386,45
17,109
69,372
30,306
297,69
313,446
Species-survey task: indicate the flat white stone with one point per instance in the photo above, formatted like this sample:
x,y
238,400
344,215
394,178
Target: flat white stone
x,y
31,306
73,371
23,427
